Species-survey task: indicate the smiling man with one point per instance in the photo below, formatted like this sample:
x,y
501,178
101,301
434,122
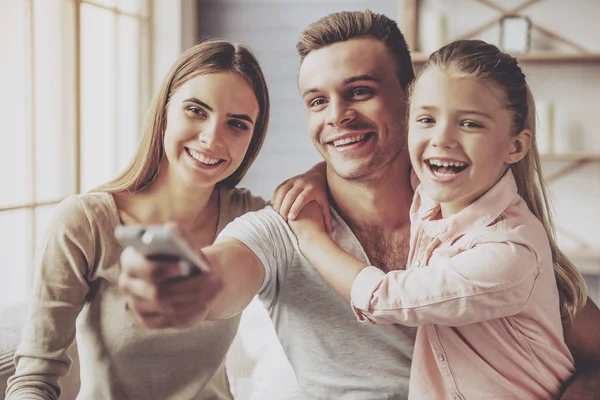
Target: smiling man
x,y
354,74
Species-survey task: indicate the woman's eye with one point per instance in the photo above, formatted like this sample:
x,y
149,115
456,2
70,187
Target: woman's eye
x,y
238,124
195,111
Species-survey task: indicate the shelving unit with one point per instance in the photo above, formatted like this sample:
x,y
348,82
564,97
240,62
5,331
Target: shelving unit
x,y
534,57
411,33
585,255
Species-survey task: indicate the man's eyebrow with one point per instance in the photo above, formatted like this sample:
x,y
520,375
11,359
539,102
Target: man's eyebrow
x,y
209,108
309,91
347,81
364,77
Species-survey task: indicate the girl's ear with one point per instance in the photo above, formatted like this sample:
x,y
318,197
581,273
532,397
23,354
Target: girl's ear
x,y
520,145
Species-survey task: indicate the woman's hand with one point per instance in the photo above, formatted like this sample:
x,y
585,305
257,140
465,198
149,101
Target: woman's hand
x,y
159,297
294,194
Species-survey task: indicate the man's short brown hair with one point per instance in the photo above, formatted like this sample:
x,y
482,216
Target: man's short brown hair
x,y
346,25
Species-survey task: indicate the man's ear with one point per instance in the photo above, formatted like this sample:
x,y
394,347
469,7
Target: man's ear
x,y
520,145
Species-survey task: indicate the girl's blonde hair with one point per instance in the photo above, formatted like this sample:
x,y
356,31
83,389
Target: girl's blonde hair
x,y
486,62
205,58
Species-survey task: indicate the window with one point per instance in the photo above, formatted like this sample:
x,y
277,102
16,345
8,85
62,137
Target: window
x,y
75,81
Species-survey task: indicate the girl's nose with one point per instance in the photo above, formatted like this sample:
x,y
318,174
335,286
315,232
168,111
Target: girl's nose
x,y
444,136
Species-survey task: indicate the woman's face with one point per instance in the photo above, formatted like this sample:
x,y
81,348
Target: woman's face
x,y
210,122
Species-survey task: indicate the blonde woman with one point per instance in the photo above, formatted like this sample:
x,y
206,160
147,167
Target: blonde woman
x,y
205,128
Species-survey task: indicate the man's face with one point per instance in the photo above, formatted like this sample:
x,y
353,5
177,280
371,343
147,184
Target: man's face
x,y
355,106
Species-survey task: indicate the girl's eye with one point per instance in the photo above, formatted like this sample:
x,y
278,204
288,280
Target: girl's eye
x,y
471,124
238,124
425,120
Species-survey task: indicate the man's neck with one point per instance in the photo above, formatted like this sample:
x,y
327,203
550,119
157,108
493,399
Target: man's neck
x,y
381,200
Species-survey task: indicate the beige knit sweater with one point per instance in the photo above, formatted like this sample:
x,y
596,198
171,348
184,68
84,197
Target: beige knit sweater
x,y
75,290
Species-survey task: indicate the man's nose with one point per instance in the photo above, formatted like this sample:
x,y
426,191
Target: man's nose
x,y
340,113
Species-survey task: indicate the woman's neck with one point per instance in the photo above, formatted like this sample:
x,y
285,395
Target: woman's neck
x,y
194,208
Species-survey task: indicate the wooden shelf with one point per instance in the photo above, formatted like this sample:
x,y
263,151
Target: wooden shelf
x,y
570,157
538,56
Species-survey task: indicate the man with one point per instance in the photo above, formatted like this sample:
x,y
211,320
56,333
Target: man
x,y
353,79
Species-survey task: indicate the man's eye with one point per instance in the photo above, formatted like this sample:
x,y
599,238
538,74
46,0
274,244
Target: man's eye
x,y
361,91
317,102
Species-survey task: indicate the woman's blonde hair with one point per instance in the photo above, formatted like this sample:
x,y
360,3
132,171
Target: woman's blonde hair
x,y
205,58
486,62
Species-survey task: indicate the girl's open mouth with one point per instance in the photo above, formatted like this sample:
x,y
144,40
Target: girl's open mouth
x,y
445,169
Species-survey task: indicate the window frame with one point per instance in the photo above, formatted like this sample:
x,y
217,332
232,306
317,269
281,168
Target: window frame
x,y
144,18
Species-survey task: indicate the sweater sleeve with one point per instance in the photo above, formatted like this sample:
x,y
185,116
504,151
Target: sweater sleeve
x,y
59,290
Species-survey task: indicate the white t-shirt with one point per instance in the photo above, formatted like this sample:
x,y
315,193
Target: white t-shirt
x,y
333,355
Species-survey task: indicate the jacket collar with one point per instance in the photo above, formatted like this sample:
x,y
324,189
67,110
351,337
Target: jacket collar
x,y
482,212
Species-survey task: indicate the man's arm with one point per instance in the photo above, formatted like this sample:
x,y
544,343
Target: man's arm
x,y
582,336
160,298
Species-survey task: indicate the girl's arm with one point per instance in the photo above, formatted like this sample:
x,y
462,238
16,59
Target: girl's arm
x,y
291,196
337,267
59,291
493,279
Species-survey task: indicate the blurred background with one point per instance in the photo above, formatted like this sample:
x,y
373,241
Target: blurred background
x,y
76,78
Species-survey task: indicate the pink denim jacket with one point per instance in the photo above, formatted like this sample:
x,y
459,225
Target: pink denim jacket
x,y
481,287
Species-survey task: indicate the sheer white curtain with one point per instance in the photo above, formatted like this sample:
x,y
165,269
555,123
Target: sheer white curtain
x,y
74,83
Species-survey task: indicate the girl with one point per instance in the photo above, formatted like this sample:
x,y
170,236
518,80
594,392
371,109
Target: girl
x,y
205,128
485,281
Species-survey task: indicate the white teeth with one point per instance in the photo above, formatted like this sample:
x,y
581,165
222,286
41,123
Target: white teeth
x,y
347,140
441,174
446,164
202,158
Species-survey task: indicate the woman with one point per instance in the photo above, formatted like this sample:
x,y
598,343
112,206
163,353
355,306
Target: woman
x,y
205,128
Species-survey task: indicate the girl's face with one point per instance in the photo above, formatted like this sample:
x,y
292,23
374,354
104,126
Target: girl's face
x,y
461,137
210,121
